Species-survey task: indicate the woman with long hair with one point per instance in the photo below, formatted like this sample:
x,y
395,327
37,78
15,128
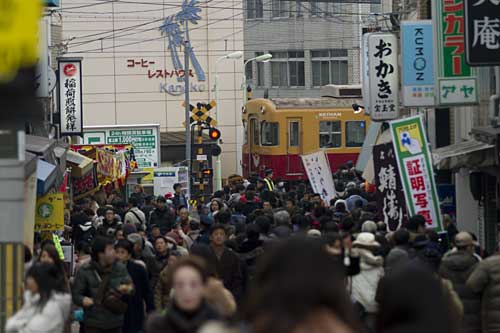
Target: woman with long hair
x,y
50,255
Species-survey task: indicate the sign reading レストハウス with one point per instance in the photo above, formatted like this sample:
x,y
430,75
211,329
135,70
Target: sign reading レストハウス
x,y
415,165
482,32
456,82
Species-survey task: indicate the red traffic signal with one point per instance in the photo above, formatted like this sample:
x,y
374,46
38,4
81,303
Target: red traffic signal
x,y
214,133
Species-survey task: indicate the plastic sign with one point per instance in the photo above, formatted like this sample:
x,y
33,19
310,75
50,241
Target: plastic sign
x,y
70,97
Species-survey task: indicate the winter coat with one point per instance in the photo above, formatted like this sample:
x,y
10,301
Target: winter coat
x,y
86,284
364,285
229,270
179,200
136,217
249,253
397,256
51,318
164,219
108,229
178,321
135,316
485,280
457,267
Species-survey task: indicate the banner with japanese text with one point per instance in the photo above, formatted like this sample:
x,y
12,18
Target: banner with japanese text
x,y
84,185
49,214
390,196
320,175
415,165
70,96
456,82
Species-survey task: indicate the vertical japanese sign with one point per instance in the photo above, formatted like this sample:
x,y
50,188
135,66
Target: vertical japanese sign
x,y
482,32
417,63
50,212
365,56
456,82
320,175
415,165
70,96
390,197
384,78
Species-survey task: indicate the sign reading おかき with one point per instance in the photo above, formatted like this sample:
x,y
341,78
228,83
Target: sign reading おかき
x,y
415,165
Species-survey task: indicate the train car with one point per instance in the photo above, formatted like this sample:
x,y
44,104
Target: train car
x,y
278,131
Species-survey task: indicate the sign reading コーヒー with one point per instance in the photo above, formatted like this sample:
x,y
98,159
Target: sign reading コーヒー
x,y
144,138
482,32
456,82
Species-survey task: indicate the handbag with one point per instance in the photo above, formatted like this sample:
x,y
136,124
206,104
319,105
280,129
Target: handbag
x,y
110,298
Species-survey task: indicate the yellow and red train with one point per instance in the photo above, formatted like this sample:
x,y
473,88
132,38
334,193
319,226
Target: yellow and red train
x,y
278,131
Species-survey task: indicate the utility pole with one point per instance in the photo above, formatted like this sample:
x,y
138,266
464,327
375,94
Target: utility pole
x,y
187,49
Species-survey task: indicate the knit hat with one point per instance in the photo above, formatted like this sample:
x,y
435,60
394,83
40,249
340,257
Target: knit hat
x,y
129,228
463,239
366,239
369,226
314,233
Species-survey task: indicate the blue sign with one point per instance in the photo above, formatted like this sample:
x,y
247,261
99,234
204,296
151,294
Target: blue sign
x,y
51,3
418,63
447,199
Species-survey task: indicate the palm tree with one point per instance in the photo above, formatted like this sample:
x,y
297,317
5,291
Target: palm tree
x,y
174,34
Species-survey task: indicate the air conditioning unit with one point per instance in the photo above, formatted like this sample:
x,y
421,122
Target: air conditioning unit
x,y
341,91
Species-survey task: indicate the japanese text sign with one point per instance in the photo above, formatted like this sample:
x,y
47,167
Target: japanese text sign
x,y
85,184
320,175
50,212
390,197
417,63
415,165
384,78
365,56
482,32
456,83
70,96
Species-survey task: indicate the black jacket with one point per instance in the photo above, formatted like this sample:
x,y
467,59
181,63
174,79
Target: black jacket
x,y
134,317
228,269
163,219
179,200
178,321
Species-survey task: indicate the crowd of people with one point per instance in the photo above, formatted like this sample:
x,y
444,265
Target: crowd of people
x,y
258,258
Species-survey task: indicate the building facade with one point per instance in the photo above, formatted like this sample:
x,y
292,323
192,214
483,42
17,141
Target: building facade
x,y
132,63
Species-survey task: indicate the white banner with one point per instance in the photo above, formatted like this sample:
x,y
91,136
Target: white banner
x,y
365,56
384,76
320,175
70,96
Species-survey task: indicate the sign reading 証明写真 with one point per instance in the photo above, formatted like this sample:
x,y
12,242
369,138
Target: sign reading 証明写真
x,y
417,63
455,81
482,32
70,96
415,165
390,197
144,138
384,78
320,175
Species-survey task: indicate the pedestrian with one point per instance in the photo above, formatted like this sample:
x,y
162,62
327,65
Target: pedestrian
x,y
100,287
149,205
50,255
179,198
249,252
416,227
162,216
457,267
142,297
399,254
47,303
188,310
163,288
268,180
348,262
216,206
109,224
134,215
485,281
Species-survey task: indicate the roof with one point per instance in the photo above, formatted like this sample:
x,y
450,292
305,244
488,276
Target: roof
x,y
326,103
464,153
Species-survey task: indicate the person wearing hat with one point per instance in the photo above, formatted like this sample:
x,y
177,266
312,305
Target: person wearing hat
x,y
457,267
364,285
162,216
268,180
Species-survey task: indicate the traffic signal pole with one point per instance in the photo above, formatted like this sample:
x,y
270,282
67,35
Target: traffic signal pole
x,y
187,48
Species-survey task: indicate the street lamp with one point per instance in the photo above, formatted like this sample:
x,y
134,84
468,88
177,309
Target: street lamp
x,y
218,169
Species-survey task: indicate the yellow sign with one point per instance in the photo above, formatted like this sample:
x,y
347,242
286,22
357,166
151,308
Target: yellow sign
x,y
410,138
49,214
150,176
18,35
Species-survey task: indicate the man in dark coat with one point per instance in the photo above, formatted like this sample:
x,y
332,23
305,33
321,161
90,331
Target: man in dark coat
x,y
179,197
457,267
162,216
226,262
135,316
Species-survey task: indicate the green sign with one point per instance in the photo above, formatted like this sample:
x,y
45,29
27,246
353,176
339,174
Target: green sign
x,y
415,166
456,82
145,140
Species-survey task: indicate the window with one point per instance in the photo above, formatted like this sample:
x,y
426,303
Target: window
x,y
330,134
245,132
270,132
281,8
254,9
254,131
329,67
354,133
293,132
287,69
260,74
248,73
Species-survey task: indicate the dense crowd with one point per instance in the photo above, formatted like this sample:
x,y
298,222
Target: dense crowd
x,y
259,257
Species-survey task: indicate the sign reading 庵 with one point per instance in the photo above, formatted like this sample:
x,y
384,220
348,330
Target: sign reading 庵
x,y
70,96
415,165
456,82
390,197
482,32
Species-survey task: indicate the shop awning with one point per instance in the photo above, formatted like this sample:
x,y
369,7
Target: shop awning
x,y
80,165
469,153
46,174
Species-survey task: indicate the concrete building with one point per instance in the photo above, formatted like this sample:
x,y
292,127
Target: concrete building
x,y
129,71
313,43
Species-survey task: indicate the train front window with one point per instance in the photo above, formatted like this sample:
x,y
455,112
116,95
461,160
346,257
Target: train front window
x,y
330,134
254,131
245,132
269,133
355,132
293,133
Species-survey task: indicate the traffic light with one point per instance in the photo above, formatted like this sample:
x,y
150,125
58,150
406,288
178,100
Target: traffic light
x,y
207,173
214,133
216,150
